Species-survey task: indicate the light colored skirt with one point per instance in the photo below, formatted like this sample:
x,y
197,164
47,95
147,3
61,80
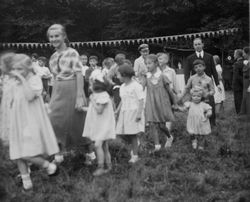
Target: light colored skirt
x,y
219,97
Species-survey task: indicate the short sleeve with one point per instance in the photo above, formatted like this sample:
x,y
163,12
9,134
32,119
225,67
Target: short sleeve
x,y
187,104
101,98
206,107
139,91
75,61
36,84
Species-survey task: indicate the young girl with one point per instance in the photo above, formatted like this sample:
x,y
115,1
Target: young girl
x,y
159,100
163,59
219,96
198,125
31,133
6,91
68,96
131,118
100,123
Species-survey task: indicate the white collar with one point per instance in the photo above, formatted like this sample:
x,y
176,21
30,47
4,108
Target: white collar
x,y
157,74
200,53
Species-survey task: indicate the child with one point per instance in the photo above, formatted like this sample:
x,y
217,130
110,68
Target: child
x,y
93,61
159,100
85,67
31,133
202,80
106,65
198,125
180,78
219,96
131,118
45,75
100,123
163,59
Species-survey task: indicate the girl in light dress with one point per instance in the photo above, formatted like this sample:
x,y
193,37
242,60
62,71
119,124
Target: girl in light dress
x,y
100,122
219,96
131,121
159,101
31,136
198,125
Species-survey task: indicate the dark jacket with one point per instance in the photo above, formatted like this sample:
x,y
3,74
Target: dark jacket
x,y
210,66
237,83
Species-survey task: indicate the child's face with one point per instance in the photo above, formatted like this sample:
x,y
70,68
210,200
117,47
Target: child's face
x,y
144,52
163,60
56,38
151,66
120,77
84,59
199,69
196,98
21,70
92,62
41,63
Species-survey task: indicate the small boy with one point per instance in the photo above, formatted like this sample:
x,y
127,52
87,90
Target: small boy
x,y
107,63
84,61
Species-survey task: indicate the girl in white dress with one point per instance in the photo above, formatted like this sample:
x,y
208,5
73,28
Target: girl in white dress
x,y
219,96
100,122
31,135
131,121
198,125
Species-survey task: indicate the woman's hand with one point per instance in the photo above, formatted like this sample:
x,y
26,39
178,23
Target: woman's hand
x,y
248,89
17,75
79,103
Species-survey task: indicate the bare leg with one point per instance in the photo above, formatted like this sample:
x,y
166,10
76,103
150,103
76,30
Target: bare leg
x,y
134,141
100,158
23,168
107,156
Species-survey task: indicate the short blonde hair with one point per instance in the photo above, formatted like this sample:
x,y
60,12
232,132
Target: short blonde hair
x,y
61,28
22,60
6,61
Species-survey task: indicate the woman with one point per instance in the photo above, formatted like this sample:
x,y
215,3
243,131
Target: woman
x,y
68,98
245,106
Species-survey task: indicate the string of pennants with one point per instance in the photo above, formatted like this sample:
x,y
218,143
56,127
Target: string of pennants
x,y
128,41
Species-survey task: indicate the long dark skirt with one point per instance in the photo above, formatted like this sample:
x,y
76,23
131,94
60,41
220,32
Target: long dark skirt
x,y
68,123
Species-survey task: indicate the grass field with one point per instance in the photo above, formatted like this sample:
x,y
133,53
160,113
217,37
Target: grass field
x,y
220,173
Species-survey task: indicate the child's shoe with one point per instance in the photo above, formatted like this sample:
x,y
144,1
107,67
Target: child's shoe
x,y
108,168
58,159
99,171
134,159
194,144
27,183
169,141
52,169
156,149
201,148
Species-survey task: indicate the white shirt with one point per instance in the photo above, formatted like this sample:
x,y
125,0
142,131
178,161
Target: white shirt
x,y
84,68
200,54
170,73
140,67
43,72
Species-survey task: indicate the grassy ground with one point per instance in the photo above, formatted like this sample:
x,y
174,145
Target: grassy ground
x,y
220,173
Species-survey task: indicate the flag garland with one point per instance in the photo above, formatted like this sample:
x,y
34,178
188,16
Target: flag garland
x,y
127,41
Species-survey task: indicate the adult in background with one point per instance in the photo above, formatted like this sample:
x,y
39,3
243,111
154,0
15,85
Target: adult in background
x,y
245,105
139,64
210,69
68,97
237,83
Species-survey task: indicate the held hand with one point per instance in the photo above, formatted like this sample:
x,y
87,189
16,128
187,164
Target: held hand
x,y
219,88
138,118
248,89
79,103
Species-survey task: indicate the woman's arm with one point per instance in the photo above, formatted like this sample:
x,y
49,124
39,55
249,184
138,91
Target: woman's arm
x,y
80,95
140,109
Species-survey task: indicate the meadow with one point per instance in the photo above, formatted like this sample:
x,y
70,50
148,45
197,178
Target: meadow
x,y
219,173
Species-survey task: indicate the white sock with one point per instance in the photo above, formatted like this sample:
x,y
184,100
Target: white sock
x,y
46,164
157,147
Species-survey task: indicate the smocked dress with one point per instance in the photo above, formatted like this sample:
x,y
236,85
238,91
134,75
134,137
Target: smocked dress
x,y
100,127
158,100
31,133
196,122
130,95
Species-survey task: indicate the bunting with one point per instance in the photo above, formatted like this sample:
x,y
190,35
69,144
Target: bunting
x,y
93,44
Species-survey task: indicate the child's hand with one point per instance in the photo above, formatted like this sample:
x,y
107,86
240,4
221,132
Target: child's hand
x,y
138,118
175,107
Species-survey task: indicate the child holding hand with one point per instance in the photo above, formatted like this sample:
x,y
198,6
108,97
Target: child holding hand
x,y
199,112
100,122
